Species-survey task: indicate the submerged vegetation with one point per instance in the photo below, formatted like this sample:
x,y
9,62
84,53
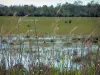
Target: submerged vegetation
x,y
49,45
50,54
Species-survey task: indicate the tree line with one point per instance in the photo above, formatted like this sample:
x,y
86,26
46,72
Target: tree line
x,y
77,9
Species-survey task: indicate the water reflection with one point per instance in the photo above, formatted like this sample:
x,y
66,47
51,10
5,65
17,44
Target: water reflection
x,y
56,52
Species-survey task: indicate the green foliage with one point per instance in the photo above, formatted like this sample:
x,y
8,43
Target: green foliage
x,y
91,70
70,10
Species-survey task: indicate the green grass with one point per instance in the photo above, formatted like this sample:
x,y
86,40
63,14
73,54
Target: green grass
x,y
85,25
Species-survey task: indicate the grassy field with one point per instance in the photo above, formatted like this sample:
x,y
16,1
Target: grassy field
x,y
83,25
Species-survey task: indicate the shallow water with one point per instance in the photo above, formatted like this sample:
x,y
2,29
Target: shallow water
x,y
54,54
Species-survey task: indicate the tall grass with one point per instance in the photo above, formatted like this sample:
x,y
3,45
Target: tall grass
x,y
13,64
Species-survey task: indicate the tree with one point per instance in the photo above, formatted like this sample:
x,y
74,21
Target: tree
x,y
92,9
78,2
